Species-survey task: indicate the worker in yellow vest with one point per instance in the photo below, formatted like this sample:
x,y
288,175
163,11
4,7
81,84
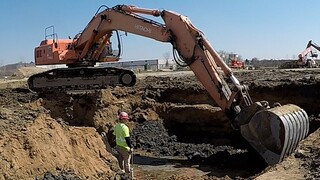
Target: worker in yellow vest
x,y
124,147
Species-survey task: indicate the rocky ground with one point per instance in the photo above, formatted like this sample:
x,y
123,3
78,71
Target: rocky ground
x,y
178,132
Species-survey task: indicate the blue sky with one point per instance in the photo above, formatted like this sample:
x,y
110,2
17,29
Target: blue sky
x,y
271,29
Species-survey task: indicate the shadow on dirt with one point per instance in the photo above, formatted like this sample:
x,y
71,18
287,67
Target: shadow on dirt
x,y
153,161
74,110
219,165
306,96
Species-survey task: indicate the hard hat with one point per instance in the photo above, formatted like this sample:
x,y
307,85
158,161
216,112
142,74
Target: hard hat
x,y
123,116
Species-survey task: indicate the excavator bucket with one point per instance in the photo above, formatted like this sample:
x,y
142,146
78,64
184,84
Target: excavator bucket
x,y
275,133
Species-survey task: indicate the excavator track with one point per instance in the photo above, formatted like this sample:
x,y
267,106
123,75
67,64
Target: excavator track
x,y
80,78
275,133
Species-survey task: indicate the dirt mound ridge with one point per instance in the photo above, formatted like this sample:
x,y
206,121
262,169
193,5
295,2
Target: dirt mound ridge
x,y
46,145
28,71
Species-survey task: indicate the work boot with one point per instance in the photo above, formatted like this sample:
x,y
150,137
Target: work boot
x,y
130,176
120,175
125,176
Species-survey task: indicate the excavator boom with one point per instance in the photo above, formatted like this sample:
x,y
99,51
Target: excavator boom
x,y
273,131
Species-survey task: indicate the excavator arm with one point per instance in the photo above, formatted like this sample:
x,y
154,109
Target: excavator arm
x,y
313,44
191,45
273,132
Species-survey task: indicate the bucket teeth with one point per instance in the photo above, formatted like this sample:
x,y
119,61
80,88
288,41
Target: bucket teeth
x,y
275,133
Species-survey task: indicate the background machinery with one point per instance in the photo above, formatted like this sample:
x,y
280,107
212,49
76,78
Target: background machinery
x,y
274,132
307,57
235,62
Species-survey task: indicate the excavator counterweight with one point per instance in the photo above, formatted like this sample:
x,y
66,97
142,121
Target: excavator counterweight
x,y
272,132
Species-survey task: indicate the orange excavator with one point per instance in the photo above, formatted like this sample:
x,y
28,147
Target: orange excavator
x,y
235,63
274,132
308,61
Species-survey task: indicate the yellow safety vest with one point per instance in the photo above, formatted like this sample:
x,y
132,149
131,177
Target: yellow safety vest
x,y
121,131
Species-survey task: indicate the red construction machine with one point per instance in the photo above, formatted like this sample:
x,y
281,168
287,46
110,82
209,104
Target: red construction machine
x,y
307,57
274,132
235,63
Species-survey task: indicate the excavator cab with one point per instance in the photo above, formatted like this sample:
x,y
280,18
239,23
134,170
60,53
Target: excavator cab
x,y
314,54
111,51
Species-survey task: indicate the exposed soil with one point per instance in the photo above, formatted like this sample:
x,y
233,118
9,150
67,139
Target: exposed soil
x,y
178,132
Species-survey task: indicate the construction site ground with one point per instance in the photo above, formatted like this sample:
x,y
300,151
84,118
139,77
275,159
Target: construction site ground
x,y
178,132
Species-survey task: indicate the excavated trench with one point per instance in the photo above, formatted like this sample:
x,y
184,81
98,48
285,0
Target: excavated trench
x,y
192,131
187,125
198,112
305,96
194,120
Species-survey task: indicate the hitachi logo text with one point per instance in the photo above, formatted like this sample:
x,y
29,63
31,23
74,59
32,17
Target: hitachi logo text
x,y
141,28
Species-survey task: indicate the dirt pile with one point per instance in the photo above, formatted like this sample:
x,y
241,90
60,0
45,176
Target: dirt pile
x,y
60,175
32,142
303,164
15,112
309,153
47,145
153,137
24,72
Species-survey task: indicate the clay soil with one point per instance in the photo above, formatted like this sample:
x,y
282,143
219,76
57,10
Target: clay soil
x,y
178,132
